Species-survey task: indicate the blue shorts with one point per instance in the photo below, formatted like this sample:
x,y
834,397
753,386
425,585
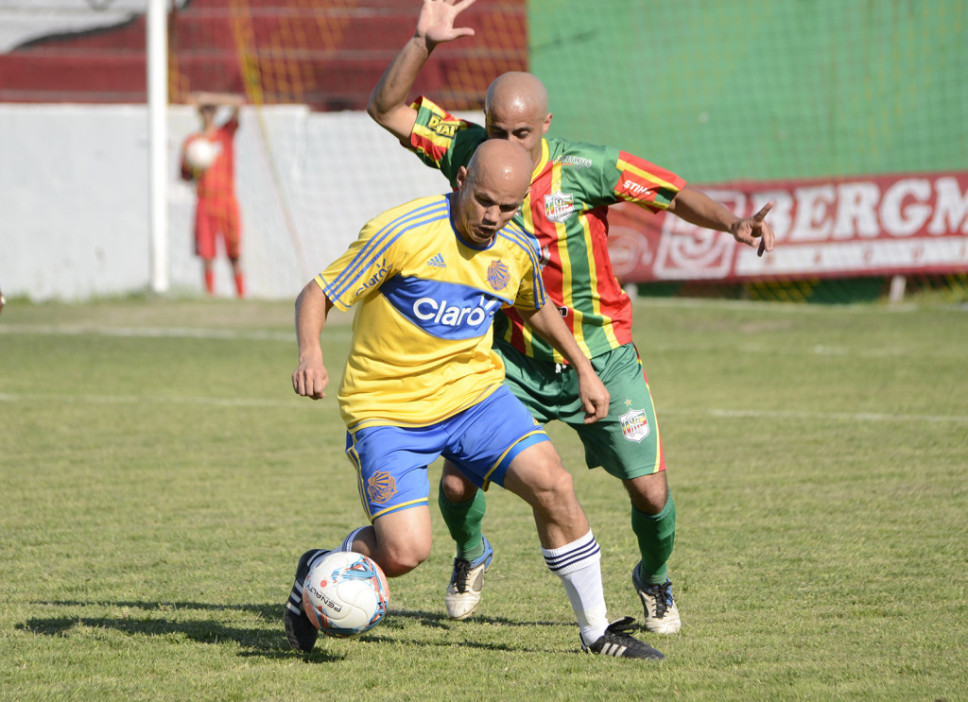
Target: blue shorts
x,y
482,441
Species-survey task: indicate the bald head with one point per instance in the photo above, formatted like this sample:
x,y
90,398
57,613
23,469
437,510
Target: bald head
x,y
490,190
519,92
501,164
516,109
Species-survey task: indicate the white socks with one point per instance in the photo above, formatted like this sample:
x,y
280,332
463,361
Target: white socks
x,y
347,544
578,564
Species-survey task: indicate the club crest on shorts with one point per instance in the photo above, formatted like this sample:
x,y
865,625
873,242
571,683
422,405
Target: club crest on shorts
x,y
559,206
381,487
635,425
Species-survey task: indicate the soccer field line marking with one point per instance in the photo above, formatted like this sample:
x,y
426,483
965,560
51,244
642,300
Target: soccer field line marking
x,y
153,400
332,331
147,332
343,331
800,414
296,402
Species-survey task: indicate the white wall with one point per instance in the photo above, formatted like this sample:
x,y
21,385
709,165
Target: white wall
x,y
74,197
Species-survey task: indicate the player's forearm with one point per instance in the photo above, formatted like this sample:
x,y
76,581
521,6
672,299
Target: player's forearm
x,y
391,92
697,208
312,306
548,324
211,98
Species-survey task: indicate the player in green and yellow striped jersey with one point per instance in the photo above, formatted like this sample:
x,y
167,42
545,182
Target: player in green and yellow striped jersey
x,y
566,209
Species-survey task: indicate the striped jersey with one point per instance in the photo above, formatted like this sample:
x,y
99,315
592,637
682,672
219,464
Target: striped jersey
x,y
566,210
421,348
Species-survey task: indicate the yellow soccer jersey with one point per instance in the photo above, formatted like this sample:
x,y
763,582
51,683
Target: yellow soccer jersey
x,y
421,349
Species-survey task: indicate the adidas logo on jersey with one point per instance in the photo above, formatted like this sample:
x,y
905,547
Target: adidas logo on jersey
x,y
437,262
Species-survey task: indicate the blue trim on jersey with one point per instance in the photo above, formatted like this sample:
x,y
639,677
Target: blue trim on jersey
x,y
383,239
530,246
444,310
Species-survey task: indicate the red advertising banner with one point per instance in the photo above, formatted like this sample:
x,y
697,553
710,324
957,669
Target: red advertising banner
x,y
863,226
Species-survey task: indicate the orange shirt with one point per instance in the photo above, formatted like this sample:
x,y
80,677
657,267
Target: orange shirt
x,y
218,180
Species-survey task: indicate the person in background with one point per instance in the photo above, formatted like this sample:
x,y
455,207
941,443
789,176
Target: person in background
x,y
216,207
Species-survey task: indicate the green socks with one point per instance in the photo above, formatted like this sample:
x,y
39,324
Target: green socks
x,y
464,519
656,534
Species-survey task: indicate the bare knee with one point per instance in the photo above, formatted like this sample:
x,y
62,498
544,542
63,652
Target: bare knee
x,y
397,561
648,493
455,486
402,540
546,486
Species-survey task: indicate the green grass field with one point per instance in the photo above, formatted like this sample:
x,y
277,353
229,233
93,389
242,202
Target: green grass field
x,y
159,479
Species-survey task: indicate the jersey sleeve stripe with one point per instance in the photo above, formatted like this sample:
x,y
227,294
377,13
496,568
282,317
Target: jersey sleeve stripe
x,y
383,239
527,244
650,172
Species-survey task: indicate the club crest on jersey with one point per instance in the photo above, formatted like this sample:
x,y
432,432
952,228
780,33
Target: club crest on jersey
x,y
381,487
559,206
498,275
635,425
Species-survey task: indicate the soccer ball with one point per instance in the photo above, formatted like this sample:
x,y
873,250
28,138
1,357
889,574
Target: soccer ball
x,y
201,153
345,594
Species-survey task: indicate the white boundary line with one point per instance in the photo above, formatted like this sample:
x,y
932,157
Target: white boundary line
x,y
163,332
296,403
798,414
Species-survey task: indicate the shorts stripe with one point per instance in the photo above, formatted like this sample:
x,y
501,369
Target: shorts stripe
x,y
402,505
535,437
360,488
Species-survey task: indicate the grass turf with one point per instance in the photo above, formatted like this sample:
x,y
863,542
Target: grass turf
x,y
159,479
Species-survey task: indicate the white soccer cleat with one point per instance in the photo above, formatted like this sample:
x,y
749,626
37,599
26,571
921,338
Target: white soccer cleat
x,y
661,613
466,584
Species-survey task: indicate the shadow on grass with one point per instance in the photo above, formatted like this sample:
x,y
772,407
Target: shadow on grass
x,y
160,619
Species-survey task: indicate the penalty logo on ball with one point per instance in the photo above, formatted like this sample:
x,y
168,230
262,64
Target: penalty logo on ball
x,y
345,593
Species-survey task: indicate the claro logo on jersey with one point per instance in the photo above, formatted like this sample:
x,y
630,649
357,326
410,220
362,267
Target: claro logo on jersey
x,y
427,309
374,280
444,309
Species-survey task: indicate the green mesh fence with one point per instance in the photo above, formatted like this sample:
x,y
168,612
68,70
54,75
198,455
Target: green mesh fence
x,y
729,90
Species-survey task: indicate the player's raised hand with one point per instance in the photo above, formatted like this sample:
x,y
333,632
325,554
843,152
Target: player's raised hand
x,y
436,21
755,230
594,397
310,379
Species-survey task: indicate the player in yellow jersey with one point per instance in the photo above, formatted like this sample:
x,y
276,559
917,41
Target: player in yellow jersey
x,y
566,209
422,381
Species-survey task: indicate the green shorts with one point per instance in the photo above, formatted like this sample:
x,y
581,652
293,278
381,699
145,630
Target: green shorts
x,y
626,443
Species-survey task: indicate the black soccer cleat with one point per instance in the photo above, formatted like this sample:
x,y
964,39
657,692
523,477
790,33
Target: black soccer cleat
x,y
301,633
617,642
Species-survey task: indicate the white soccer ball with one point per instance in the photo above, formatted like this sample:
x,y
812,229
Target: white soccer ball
x,y
345,594
201,153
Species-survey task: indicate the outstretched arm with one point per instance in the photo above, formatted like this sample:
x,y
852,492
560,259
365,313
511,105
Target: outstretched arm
x,y
222,99
209,98
697,208
388,104
593,393
312,307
